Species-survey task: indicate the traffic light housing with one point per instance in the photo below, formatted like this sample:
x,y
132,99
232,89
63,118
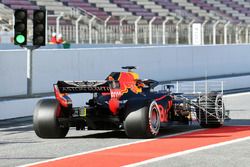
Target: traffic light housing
x,y
20,27
39,27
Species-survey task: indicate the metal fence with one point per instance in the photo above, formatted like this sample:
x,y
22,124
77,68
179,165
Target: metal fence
x,y
170,33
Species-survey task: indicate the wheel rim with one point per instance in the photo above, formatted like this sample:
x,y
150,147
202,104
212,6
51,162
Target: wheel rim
x,y
154,119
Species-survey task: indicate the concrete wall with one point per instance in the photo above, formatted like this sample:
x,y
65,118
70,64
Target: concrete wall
x,y
25,107
12,72
156,62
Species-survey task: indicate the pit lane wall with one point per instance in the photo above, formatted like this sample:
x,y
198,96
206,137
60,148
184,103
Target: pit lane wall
x,y
156,62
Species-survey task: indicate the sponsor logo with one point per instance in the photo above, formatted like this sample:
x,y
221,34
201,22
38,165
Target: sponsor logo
x,y
115,93
85,89
128,81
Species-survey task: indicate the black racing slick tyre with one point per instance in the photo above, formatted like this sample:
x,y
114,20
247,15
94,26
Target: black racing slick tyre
x,y
215,107
144,122
45,122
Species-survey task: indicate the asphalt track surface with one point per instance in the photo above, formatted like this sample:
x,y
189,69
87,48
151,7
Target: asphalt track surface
x,y
176,146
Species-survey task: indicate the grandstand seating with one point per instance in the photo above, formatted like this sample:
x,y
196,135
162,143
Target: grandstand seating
x,y
179,10
225,7
233,10
191,7
244,3
110,8
52,21
92,9
244,11
54,7
84,5
213,11
5,14
134,8
20,4
152,6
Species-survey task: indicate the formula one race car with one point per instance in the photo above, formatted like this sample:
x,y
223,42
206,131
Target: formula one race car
x,y
123,101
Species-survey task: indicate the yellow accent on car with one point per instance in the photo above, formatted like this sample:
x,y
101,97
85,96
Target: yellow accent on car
x,y
83,112
135,75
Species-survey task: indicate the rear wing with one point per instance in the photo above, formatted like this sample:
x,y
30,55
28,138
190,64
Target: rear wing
x,y
83,86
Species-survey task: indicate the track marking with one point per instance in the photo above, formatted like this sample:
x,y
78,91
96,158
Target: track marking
x,y
237,94
187,152
16,127
134,153
111,147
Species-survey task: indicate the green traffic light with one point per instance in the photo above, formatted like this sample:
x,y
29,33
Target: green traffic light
x,y
20,39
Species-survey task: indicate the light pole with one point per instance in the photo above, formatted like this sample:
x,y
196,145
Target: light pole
x,y
58,23
77,28
203,32
246,33
136,30
120,27
105,28
90,29
177,31
225,32
163,30
150,29
189,31
214,31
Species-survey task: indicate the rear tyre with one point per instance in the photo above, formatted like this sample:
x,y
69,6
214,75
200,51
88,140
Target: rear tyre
x,y
45,122
214,105
144,122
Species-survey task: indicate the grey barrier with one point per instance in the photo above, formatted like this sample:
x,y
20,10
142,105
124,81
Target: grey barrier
x,y
157,62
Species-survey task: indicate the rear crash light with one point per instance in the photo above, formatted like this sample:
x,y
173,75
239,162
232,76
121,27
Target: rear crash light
x,y
62,98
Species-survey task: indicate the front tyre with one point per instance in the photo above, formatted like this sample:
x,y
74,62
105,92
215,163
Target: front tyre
x,y
45,122
144,122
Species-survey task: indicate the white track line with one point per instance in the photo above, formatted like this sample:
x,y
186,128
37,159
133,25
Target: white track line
x,y
111,147
237,94
16,127
187,152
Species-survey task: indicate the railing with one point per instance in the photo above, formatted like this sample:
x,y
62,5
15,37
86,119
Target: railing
x,y
167,34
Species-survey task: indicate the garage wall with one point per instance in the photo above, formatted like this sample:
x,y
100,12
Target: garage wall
x,y
156,62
